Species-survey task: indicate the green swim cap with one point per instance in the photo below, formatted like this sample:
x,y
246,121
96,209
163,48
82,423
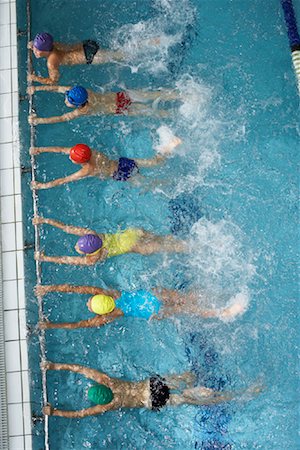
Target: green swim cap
x,y
100,394
102,304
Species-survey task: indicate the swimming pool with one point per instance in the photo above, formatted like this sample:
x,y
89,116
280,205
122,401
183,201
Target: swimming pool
x,y
232,188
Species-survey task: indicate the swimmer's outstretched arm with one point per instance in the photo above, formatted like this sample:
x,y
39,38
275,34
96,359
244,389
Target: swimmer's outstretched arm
x,y
79,175
94,322
94,410
43,289
58,89
72,260
70,229
88,372
34,120
39,150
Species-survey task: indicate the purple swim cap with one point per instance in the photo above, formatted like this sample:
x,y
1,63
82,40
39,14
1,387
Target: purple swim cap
x,y
43,42
89,243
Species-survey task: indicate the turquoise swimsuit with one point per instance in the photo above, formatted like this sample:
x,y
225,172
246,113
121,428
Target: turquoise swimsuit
x,y
141,304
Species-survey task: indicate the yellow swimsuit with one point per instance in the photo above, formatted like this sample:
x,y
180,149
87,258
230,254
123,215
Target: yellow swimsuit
x,y
122,242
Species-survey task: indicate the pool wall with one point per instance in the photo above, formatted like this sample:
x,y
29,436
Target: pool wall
x,y
15,399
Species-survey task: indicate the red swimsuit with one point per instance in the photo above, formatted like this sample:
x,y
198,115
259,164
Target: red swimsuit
x,y
123,101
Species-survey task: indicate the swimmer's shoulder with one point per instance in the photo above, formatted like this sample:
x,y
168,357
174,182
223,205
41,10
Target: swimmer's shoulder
x,y
53,60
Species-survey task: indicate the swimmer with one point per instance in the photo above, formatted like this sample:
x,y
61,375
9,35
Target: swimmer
x,y
86,102
96,164
109,394
58,54
158,303
98,246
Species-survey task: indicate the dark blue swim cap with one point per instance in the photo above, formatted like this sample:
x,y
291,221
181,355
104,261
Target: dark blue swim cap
x,y
77,96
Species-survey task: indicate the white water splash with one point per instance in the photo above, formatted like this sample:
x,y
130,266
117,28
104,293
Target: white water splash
x,y
221,264
147,43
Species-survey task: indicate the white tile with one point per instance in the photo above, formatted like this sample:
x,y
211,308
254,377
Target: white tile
x,y
14,78
27,418
22,321
24,361
14,56
12,356
11,325
5,81
6,156
15,420
10,294
15,104
4,13
5,58
9,266
13,16
7,182
18,207
16,144
16,443
28,442
4,35
5,105
21,294
20,264
17,179
13,34
5,128
14,387
25,386
19,236
7,209
8,237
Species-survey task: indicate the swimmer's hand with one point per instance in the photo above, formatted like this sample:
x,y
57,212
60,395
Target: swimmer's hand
x,y
31,77
39,256
43,324
34,151
32,119
40,290
36,185
31,89
37,220
48,410
30,45
46,365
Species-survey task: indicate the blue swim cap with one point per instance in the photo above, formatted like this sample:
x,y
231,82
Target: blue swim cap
x,y
77,96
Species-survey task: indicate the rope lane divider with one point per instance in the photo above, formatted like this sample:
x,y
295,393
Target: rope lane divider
x,y
293,35
42,340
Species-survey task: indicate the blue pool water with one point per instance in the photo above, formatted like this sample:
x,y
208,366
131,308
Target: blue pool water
x,y
231,189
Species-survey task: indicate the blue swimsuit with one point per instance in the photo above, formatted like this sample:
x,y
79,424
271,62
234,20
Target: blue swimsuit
x,y
126,169
141,304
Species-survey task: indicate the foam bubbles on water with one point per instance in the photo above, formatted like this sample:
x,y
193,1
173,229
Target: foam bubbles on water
x,y
221,264
147,43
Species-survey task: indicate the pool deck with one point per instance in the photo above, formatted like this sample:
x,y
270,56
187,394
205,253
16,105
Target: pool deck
x,y
13,299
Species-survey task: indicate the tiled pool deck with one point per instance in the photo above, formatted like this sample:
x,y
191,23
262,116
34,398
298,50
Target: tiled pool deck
x,y
17,373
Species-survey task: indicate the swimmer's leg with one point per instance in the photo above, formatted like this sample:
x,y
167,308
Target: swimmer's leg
x,y
159,159
106,56
150,243
176,381
140,109
146,96
92,374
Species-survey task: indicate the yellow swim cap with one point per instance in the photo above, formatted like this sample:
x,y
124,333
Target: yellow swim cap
x,y
102,304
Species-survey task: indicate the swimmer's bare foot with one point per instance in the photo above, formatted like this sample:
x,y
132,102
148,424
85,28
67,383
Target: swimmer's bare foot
x,y
232,311
171,145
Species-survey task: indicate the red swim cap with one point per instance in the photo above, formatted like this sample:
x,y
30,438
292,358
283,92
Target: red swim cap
x,y
80,153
